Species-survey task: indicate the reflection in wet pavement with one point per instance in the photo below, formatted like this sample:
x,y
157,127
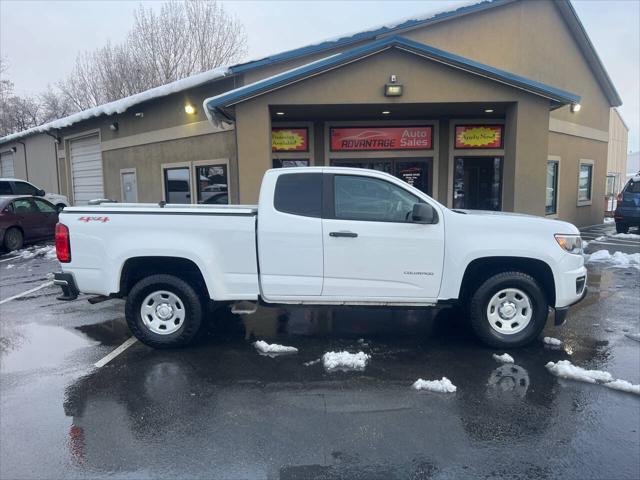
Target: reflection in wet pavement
x,y
221,410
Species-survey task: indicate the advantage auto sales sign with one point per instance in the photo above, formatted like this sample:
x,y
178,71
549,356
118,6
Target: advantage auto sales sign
x,y
381,138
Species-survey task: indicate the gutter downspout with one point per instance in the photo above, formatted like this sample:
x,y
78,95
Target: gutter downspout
x,y
26,163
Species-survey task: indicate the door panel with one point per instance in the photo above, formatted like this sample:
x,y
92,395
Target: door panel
x,y
370,249
129,187
290,242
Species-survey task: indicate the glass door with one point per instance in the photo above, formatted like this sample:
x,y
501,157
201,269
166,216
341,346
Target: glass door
x,y
477,183
177,185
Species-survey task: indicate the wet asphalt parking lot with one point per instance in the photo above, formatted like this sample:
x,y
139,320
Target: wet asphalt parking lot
x,y
221,410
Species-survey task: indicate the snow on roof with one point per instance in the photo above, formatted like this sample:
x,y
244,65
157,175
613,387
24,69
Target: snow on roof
x,y
122,105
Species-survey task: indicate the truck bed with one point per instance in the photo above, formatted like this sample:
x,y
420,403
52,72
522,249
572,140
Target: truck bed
x,y
167,208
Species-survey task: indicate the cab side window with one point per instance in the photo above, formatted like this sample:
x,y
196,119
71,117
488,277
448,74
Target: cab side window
x,y
299,194
44,207
371,199
22,188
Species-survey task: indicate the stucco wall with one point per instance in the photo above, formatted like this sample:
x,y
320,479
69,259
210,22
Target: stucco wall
x,y
617,151
362,83
571,150
147,160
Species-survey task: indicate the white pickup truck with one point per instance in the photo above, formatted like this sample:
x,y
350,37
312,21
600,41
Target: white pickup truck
x,y
321,236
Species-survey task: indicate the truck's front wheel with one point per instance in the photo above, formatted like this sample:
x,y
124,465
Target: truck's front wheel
x,y
508,310
164,311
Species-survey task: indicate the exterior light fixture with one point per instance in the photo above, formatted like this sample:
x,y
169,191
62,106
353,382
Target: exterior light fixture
x,y
189,109
575,107
114,126
386,112
488,110
14,149
280,113
393,88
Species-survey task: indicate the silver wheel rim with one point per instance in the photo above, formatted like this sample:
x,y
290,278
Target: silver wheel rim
x,y
509,311
162,312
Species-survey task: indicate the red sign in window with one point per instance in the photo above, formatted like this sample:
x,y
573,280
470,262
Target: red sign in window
x,y
381,138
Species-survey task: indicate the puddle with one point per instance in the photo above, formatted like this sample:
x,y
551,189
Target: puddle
x,y
33,346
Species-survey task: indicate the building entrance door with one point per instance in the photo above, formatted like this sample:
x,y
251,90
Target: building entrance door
x,y
477,183
414,171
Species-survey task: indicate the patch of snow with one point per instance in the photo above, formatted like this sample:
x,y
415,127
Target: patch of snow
x,y
619,259
609,220
633,336
123,104
48,252
600,238
504,358
565,369
624,386
312,362
552,341
585,243
633,236
345,360
9,266
442,386
273,348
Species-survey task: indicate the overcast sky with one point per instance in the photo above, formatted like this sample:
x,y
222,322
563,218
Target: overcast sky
x,y
40,40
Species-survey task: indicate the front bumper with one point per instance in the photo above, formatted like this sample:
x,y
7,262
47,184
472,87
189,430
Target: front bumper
x,y
68,285
561,312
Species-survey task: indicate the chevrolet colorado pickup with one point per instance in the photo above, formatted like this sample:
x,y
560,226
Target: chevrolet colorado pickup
x,y
321,236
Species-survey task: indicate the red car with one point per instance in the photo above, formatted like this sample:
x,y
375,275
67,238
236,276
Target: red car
x,y
25,219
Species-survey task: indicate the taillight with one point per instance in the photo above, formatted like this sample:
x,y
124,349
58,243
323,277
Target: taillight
x,y
63,247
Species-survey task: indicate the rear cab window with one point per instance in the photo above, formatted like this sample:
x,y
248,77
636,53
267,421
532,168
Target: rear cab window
x,y
299,194
5,188
632,187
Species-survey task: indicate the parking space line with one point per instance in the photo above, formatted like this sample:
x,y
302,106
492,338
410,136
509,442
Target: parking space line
x,y
103,361
10,258
44,285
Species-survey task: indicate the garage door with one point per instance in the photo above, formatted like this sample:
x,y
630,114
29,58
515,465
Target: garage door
x,y
6,165
86,169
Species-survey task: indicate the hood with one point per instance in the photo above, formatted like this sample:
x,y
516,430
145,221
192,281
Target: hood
x,y
521,221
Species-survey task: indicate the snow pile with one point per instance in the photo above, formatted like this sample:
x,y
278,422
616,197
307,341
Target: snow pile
x,y
565,369
632,236
273,348
441,386
11,265
504,358
624,386
552,341
312,362
620,259
48,252
345,360
585,244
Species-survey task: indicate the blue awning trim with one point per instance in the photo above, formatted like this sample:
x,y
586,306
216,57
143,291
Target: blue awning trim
x,y
217,104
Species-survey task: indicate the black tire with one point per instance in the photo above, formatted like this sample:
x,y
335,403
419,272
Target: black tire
x,y
13,239
622,227
480,302
193,311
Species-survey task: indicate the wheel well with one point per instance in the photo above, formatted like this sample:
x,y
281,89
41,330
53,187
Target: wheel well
x,y
482,268
134,269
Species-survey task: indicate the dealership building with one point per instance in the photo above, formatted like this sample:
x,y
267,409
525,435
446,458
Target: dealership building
x,y
500,105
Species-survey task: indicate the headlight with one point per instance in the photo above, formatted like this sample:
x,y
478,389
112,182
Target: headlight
x,y
570,243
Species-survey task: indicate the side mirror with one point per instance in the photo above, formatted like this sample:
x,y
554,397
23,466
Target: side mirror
x,y
41,193
423,213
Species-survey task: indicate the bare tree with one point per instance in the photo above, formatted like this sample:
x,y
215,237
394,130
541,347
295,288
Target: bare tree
x,y
181,39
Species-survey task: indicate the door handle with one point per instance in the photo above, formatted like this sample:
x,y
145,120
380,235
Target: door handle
x,y
343,234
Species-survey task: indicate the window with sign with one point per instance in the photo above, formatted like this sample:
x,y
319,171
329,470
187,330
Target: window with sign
x,y
285,163
585,178
212,184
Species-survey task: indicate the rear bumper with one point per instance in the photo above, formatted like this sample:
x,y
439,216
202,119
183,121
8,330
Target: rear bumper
x,y
628,215
68,285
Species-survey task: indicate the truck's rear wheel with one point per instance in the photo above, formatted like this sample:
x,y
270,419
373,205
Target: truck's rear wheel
x,y
164,311
508,310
